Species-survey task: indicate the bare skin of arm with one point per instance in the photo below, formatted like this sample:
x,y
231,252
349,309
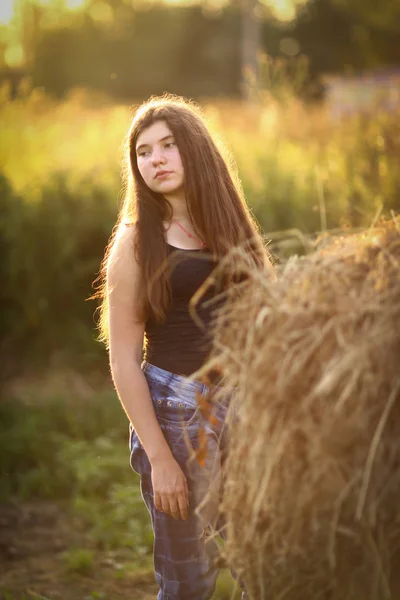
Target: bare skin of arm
x,y
126,343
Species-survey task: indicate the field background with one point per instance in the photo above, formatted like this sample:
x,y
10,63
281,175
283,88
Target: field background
x,y
72,522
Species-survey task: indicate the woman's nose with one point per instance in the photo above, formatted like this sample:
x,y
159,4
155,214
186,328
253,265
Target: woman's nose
x,y
157,156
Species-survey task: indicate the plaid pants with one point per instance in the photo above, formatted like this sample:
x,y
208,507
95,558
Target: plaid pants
x,y
184,552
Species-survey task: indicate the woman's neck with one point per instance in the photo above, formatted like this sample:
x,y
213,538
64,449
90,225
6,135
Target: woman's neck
x,y
179,209
178,204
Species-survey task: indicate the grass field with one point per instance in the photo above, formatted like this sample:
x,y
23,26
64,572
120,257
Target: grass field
x,y
73,525
290,156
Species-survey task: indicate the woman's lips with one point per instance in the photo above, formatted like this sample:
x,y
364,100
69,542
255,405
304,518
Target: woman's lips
x,y
163,174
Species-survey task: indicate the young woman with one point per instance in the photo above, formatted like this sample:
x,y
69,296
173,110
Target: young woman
x,y
183,212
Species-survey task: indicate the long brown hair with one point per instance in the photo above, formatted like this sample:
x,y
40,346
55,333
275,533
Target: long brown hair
x,y
214,199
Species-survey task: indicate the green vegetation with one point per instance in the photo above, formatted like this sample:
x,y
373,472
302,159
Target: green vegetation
x,y
95,48
60,189
79,560
71,451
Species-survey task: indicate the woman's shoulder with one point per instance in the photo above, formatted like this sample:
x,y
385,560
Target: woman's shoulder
x,y
126,230
124,237
122,252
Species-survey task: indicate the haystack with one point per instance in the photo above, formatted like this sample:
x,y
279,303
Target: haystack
x,y
312,493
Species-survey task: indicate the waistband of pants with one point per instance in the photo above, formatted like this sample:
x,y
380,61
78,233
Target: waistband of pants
x,y
180,381
167,377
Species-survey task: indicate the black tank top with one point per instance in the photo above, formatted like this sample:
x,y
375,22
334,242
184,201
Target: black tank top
x,y
178,344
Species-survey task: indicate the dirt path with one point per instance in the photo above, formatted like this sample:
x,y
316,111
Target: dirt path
x,y
34,538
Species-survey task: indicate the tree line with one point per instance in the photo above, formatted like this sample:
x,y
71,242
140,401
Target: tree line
x,y
130,53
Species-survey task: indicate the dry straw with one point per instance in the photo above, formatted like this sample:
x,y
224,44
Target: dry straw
x,y
312,491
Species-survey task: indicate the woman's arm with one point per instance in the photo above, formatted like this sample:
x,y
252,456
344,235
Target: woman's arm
x,y
126,343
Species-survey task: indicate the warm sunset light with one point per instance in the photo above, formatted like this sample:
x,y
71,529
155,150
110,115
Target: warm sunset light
x,y
237,282
8,8
14,55
6,11
74,3
283,9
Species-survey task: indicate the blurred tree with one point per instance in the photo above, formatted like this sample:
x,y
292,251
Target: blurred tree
x,y
210,51
27,21
384,14
208,48
339,39
250,44
195,53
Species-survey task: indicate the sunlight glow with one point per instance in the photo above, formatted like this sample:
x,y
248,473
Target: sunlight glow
x,y
6,11
72,4
101,12
283,9
14,55
7,8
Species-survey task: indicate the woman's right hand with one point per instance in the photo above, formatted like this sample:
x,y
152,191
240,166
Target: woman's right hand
x,y
170,488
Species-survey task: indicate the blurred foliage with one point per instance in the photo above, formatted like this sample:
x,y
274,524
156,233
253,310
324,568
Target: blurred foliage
x,y
60,189
385,14
52,246
109,45
73,449
41,436
79,560
50,449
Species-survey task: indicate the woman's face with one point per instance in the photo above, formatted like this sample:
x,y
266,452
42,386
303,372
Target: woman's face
x,y
159,161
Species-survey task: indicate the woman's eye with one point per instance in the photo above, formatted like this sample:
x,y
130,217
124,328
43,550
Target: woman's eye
x,y
170,144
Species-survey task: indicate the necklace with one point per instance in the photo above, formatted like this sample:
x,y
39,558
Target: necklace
x,y
187,233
